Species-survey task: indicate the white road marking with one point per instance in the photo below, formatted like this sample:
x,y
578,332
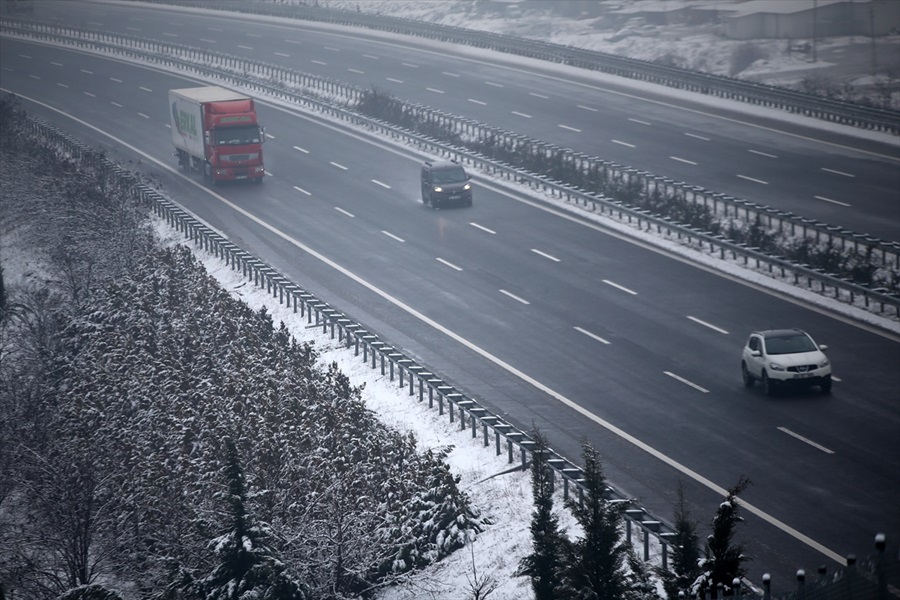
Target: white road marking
x,y
282,54
448,263
372,56
167,34
89,94
256,35
392,80
449,74
133,28
619,287
491,83
301,149
116,104
331,48
391,235
145,89
318,62
686,382
143,115
410,65
85,71
697,137
346,212
477,102
116,80
705,324
622,143
766,154
754,180
639,121
339,166
518,114
807,440
823,198
208,41
833,378
384,185
248,48
482,227
33,76
62,85
545,255
583,107
215,29
684,160
621,433
357,71
514,297
592,335
536,95
56,64
569,128
293,41
302,191
838,172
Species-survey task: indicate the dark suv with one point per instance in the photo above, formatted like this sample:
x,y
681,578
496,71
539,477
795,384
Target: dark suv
x,y
444,183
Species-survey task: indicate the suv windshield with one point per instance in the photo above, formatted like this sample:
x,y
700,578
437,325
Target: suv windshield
x,y
789,344
449,175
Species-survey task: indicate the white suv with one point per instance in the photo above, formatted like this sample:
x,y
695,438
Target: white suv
x,y
782,357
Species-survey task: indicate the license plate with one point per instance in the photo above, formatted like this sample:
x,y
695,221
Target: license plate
x,y
240,177
802,375
454,197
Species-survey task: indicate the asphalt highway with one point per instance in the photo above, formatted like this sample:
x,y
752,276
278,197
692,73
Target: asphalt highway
x,y
546,318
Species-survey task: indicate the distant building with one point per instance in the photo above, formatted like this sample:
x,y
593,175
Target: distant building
x,y
798,19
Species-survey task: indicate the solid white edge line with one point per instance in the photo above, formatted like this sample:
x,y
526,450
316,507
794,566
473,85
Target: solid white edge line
x,y
686,382
709,484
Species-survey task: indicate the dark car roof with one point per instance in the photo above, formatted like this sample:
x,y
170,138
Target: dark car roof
x,y
443,164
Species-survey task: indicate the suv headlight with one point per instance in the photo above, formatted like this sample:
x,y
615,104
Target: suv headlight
x,y
824,364
468,186
776,367
438,188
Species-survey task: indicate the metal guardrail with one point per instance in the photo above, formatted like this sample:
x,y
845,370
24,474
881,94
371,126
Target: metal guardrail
x,y
828,109
318,94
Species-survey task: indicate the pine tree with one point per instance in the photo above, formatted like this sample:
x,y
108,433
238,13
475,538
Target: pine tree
x,y
598,566
247,566
550,547
724,559
686,552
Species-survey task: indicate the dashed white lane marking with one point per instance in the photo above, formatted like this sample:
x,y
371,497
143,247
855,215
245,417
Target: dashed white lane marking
x,y
449,264
304,151
754,180
319,62
370,56
410,65
346,212
824,199
116,104
255,35
514,297
357,71
838,172
482,227
62,85
686,382
766,154
639,121
536,95
807,440
89,94
477,102
684,160
620,287
392,80
167,34
56,64
384,185
545,255
209,41
116,80
293,41
143,115
145,89
705,324
435,90
583,107
282,54
302,191
449,74
86,72
331,48
339,166
33,76
570,128
391,235
518,114
697,137
592,335
491,83
251,48
622,143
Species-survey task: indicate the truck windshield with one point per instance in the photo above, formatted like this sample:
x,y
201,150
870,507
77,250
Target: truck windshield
x,y
237,136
